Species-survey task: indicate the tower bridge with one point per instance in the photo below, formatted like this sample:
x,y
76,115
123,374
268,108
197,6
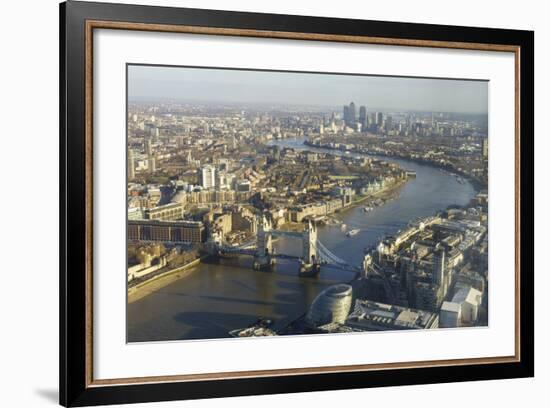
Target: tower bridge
x,y
314,252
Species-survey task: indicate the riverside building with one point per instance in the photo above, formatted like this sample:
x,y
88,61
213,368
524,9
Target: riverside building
x,y
166,231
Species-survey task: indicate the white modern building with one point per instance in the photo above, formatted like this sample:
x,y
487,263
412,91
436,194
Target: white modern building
x,y
208,176
462,310
470,301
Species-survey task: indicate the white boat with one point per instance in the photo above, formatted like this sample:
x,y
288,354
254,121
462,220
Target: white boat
x,y
353,232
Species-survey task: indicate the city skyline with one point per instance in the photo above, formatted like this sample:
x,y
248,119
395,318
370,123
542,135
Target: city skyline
x,y
222,85
277,220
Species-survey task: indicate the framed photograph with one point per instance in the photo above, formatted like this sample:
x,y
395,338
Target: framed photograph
x,y
256,204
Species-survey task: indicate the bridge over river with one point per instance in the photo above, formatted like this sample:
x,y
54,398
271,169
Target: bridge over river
x,y
314,253
214,298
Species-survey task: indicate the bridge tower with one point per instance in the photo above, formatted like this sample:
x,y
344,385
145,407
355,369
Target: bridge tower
x,y
310,259
262,258
367,265
309,243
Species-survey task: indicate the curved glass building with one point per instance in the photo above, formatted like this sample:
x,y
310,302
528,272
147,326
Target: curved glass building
x,y
330,306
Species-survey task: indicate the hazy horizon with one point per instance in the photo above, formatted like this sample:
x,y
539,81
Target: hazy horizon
x,y
219,85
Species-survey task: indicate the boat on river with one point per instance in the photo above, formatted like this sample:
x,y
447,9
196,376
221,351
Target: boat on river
x,y
353,232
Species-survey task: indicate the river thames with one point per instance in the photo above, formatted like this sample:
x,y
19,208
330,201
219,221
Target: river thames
x,y
213,299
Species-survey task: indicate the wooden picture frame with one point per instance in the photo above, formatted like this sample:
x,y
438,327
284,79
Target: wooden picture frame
x,y
78,20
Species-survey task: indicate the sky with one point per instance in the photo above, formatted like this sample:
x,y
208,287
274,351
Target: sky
x,y
289,88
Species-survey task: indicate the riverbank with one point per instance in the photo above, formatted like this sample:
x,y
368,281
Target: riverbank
x,y
476,183
160,280
215,298
385,194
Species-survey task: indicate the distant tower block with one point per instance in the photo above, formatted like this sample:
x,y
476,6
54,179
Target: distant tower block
x,y
352,114
363,116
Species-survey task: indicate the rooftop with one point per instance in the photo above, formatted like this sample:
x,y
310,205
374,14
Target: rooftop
x,y
468,294
450,307
371,315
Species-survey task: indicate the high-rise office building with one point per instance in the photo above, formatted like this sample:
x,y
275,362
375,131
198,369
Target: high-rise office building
x,y
389,123
371,119
346,114
363,115
148,147
379,118
352,114
152,164
208,176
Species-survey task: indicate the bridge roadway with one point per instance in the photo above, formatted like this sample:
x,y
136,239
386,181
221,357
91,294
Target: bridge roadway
x,y
323,253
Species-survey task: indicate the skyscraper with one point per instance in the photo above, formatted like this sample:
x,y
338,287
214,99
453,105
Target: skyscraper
x,y
389,123
379,118
346,114
352,114
371,119
363,115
